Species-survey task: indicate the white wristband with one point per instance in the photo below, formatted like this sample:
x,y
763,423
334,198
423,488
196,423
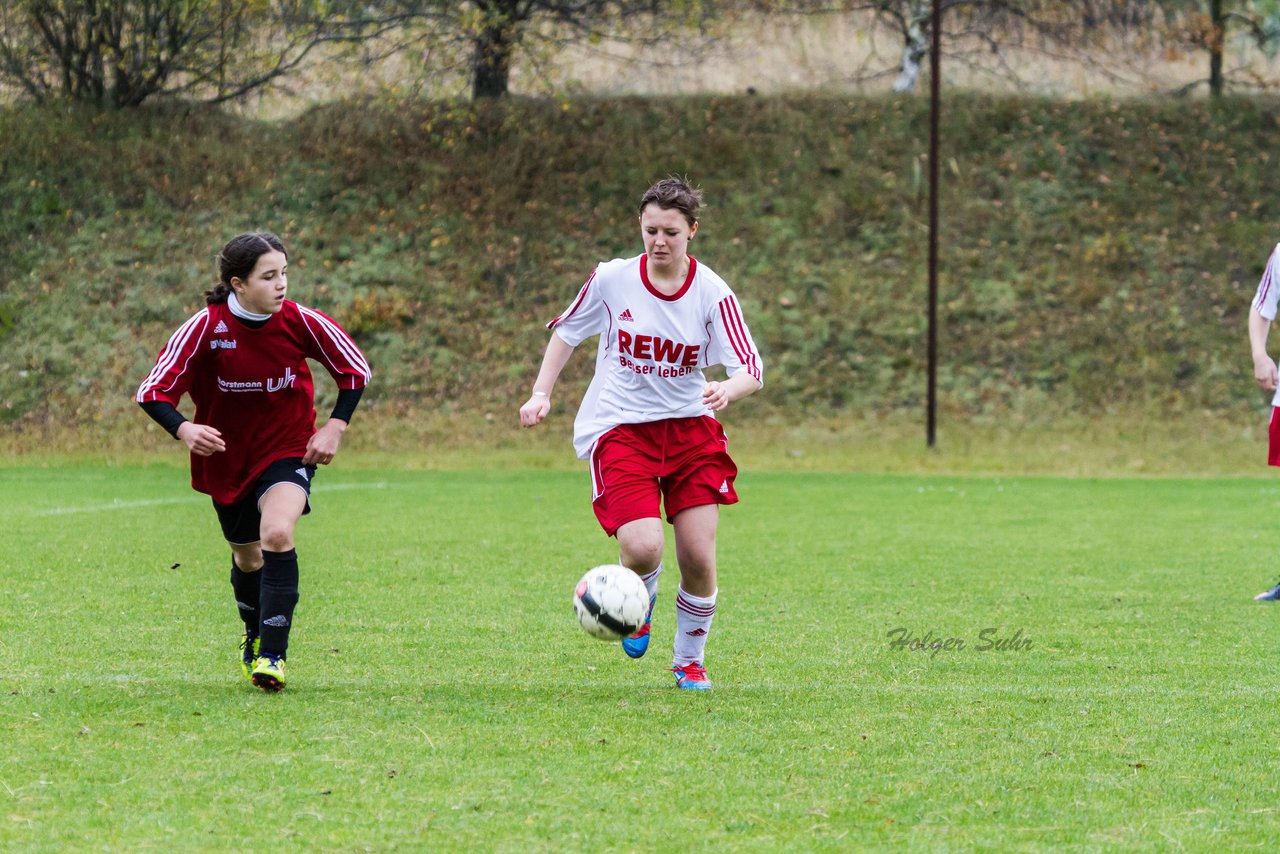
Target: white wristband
x,y
541,394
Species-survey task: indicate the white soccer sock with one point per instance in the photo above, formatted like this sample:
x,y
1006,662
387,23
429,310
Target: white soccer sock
x,y
651,581
693,624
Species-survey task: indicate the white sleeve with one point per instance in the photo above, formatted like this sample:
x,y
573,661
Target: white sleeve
x,y
1269,288
731,343
583,318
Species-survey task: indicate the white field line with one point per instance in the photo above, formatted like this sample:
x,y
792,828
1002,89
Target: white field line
x,y
185,499
1015,692
116,505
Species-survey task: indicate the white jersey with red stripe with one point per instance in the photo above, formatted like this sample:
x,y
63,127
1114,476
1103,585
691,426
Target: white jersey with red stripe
x,y
653,346
252,385
1265,300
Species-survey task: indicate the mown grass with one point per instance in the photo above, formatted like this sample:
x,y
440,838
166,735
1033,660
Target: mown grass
x,y
1121,444
442,698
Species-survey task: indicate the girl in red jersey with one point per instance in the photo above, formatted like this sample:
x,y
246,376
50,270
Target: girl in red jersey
x,y
254,444
646,423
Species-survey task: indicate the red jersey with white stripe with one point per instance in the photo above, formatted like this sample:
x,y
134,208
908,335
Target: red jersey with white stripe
x,y
253,386
653,346
1268,295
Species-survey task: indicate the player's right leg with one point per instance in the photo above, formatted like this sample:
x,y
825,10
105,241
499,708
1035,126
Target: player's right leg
x,y
625,498
240,523
640,545
246,583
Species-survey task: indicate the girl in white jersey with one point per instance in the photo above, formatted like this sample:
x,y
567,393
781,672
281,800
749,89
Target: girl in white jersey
x,y
646,423
1261,315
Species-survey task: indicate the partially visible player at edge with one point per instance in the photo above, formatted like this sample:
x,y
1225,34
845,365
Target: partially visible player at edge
x,y
646,423
1261,314
243,361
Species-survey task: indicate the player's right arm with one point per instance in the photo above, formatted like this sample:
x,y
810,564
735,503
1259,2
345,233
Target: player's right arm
x,y
170,378
582,319
1265,303
203,440
553,361
1264,368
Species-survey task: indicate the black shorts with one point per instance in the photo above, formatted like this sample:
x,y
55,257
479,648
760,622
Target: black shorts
x,y
242,522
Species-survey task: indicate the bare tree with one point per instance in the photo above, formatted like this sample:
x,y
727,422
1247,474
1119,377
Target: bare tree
x,y
496,31
993,25
1207,26
1260,20
914,27
982,32
121,53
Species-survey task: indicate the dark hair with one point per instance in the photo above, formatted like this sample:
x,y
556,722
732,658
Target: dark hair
x,y
238,258
674,194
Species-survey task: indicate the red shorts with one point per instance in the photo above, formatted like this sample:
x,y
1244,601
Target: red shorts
x,y
1273,436
684,460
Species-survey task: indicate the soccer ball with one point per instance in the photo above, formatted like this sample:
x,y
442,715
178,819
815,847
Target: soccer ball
x,y
610,602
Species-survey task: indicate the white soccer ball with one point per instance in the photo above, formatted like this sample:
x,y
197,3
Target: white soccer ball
x,y
611,602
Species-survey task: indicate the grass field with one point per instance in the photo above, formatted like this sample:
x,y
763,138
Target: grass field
x,y
441,697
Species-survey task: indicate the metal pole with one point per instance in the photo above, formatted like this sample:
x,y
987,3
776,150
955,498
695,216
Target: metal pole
x,y
934,108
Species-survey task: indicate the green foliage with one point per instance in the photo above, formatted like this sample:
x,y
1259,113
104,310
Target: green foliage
x,y
1094,255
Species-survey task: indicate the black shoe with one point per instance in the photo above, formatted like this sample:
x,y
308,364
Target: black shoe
x,y
1268,595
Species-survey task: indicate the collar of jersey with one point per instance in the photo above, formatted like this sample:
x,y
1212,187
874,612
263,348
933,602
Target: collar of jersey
x,y
644,277
243,313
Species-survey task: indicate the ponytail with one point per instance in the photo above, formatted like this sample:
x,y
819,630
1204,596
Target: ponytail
x,y
217,294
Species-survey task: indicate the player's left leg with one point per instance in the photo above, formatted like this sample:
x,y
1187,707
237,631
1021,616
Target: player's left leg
x,y
281,507
695,535
700,477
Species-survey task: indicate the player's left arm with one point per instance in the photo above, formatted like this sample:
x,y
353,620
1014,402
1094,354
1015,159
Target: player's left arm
x,y
330,345
322,447
344,361
718,395
734,348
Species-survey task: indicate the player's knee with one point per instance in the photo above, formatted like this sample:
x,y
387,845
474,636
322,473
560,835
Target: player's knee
x,y
276,537
248,558
697,568
643,552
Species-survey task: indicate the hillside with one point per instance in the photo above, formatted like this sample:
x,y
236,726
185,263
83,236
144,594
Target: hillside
x,y
1096,256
